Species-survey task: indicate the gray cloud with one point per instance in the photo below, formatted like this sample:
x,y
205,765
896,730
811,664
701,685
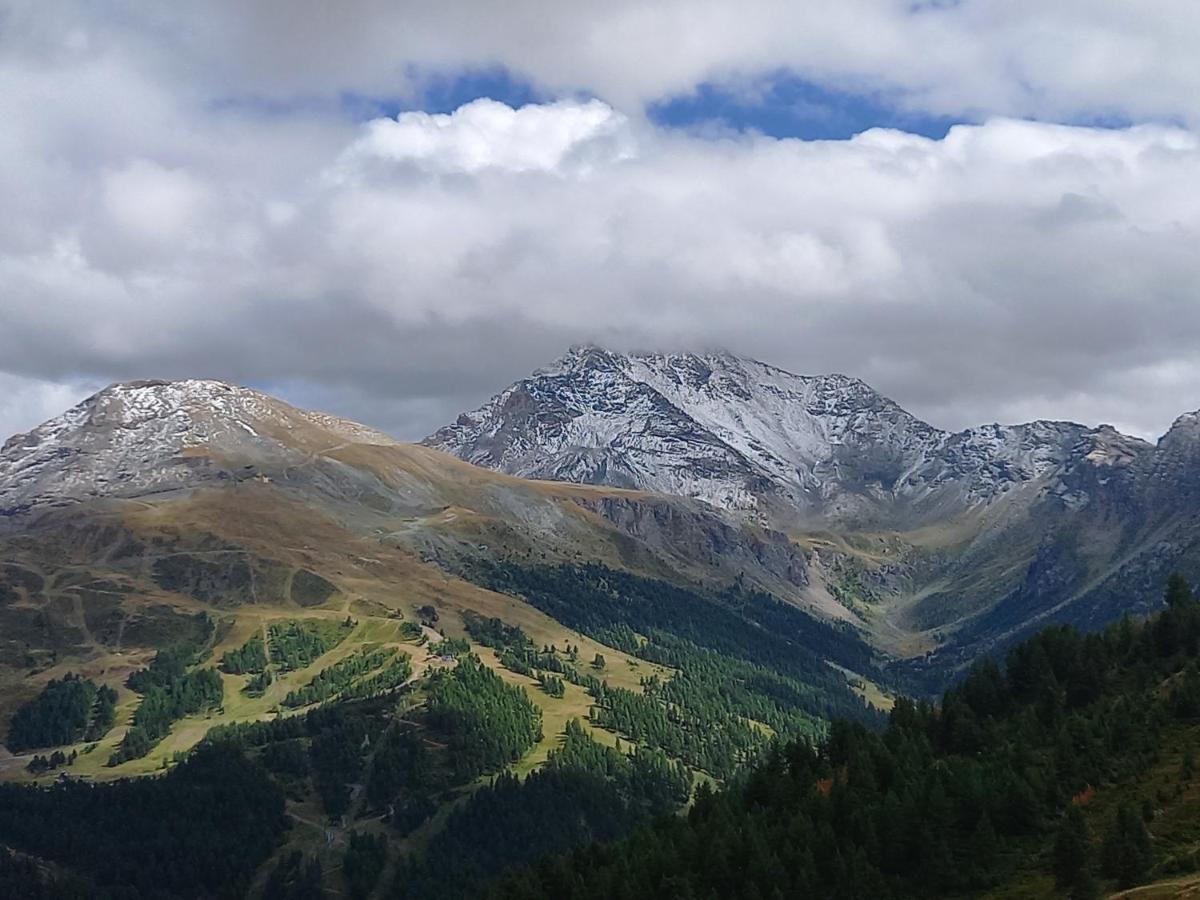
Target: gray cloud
x,y
1020,58
398,271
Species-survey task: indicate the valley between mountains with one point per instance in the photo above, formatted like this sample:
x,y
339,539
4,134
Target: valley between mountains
x,y
684,556
935,543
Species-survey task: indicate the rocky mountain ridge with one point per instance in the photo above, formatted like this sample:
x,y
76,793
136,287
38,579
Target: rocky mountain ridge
x,y
747,436
939,545
162,444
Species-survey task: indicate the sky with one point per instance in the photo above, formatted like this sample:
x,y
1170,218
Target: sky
x,y
390,211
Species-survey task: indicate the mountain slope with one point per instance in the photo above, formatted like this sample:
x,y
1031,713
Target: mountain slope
x,y
944,543
149,440
151,503
1070,770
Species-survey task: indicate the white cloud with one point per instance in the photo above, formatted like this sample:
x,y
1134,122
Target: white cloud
x,y
26,402
410,266
485,134
1043,58
1010,260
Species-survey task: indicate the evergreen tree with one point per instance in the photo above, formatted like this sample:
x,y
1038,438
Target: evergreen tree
x,y
1085,886
983,855
59,715
365,859
1179,593
1126,853
1071,846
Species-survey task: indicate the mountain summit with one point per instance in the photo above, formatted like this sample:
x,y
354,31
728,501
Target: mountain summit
x,y
744,435
140,436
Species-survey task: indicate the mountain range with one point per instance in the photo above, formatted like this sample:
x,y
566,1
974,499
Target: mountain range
x,y
688,556
153,501
705,470
742,435
941,541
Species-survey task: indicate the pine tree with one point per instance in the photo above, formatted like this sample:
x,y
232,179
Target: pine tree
x,y
984,853
1179,592
1127,853
1085,886
1070,848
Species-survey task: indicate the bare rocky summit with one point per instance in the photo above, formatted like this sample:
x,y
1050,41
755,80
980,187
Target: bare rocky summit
x,y
747,436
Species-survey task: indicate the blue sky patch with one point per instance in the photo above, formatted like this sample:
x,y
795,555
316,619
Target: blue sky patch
x,y
444,92
786,106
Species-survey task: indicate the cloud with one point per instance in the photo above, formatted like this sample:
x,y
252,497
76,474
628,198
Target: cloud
x,y
151,202
402,269
1062,59
26,402
485,134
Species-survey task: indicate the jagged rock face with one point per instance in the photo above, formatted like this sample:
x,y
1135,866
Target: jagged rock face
x,y
743,435
678,531
1174,470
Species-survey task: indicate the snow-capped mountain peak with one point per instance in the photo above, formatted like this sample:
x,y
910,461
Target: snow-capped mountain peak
x,y
141,436
745,435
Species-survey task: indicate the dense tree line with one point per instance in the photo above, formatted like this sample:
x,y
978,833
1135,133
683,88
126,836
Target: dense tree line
x,y
494,632
249,659
169,692
332,680
257,685
387,679
55,760
295,877
104,714
364,862
331,744
254,735
487,723
296,644
163,706
336,754
66,711
23,878
411,631
714,743
287,759
948,800
586,792
705,714
451,647
404,778
518,653
199,831
621,609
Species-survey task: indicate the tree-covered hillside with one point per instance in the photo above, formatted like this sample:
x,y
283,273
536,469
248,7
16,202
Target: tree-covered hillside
x,y
1054,775
1066,771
